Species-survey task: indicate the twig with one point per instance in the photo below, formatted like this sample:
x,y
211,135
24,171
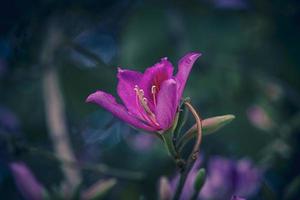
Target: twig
x,y
194,154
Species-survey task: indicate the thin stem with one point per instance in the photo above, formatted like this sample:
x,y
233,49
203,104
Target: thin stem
x,y
54,104
199,131
168,141
194,154
100,168
195,195
189,134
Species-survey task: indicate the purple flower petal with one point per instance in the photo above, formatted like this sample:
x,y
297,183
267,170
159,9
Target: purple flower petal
x,y
166,103
108,102
155,75
227,177
30,188
9,123
185,65
248,178
220,180
234,197
128,79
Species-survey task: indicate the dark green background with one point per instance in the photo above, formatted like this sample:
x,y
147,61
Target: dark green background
x,y
245,49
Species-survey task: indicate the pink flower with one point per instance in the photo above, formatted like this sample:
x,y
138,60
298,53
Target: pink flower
x,y
151,98
142,142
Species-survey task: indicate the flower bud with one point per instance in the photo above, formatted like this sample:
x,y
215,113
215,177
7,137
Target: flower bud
x,y
164,189
200,179
213,124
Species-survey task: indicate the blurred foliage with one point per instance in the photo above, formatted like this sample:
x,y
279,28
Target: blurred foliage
x,y
250,58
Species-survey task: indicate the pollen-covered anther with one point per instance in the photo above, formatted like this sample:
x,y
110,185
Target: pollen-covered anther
x,y
153,91
136,89
143,102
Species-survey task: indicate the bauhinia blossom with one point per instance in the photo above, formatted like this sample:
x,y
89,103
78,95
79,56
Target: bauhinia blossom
x,y
151,98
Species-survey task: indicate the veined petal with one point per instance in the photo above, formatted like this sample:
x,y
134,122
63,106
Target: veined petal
x,y
128,79
185,65
155,75
108,102
165,110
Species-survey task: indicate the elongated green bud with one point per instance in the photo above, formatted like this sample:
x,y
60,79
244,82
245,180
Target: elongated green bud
x,y
213,124
209,126
200,179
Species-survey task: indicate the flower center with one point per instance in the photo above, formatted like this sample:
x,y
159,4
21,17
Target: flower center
x,y
142,104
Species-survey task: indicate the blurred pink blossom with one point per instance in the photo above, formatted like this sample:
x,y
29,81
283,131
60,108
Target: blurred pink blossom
x,y
259,118
27,184
142,142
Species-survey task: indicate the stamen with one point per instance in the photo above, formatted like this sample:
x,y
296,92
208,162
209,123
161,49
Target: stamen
x,y
142,101
136,89
153,91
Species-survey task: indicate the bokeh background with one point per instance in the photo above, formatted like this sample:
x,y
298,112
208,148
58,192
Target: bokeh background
x,y
53,54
